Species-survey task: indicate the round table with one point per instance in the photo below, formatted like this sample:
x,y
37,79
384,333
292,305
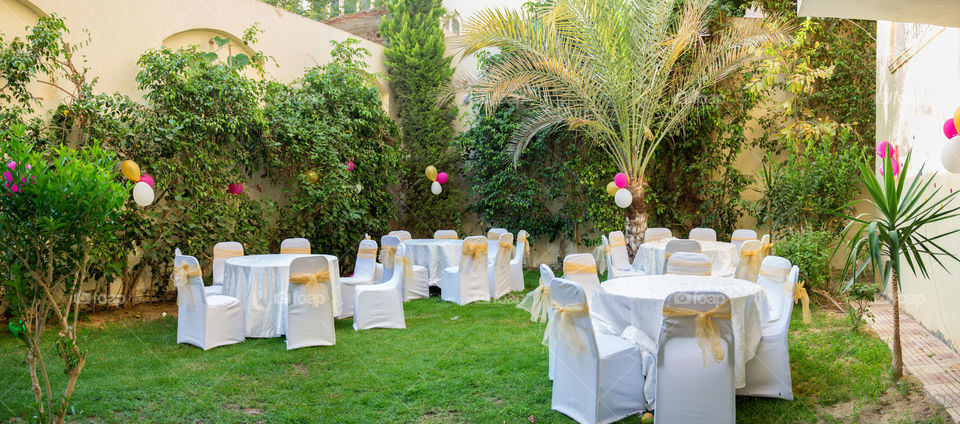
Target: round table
x,y
638,302
260,283
723,255
434,255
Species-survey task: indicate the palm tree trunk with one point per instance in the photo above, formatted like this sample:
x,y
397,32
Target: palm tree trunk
x,y
636,218
897,349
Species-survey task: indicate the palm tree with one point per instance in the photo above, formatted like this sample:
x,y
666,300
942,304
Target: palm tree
x,y
625,72
893,232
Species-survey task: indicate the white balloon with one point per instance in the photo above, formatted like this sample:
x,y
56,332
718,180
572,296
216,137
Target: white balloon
x,y
359,187
623,198
436,188
950,156
143,194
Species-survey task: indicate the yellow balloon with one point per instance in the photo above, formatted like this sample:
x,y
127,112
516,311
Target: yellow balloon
x,y
431,173
612,188
131,170
956,119
312,176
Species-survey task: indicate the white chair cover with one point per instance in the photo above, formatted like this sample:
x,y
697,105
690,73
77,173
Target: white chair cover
x,y
768,373
694,385
221,252
751,253
616,260
703,234
655,234
686,263
498,271
204,321
309,303
388,252
176,252
516,264
295,245
674,246
598,377
364,273
381,305
774,272
403,235
495,233
581,268
468,282
537,302
415,282
740,236
766,246
446,235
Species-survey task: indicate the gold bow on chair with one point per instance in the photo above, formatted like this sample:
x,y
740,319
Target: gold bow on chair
x,y
578,268
751,268
367,252
477,250
316,283
707,333
181,278
526,248
535,302
767,248
563,324
221,252
507,248
800,294
407,266
386,255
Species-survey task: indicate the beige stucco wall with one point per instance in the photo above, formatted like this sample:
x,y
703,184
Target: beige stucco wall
x,y
912,105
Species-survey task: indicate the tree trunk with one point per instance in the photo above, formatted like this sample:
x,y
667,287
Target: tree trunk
x,y
636,218
897,349
34,380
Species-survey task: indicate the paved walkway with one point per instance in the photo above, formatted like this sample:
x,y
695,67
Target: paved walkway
x,y
925,356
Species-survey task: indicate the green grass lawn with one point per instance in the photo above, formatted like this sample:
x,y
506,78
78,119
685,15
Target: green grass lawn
x,y
478,363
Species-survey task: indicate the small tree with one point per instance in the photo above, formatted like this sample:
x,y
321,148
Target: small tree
x,y
59,220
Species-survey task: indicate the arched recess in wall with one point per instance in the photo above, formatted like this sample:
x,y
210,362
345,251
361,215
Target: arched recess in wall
x,y
204,39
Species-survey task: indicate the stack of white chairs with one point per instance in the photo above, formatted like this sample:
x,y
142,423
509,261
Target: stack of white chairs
x,y
295,246
616,257
446,235
204,321
364,273
695,382
751,253
581,268
381,305
403,235
768,373
516,264
310,303
388,251
221,252
498,272
742,236
656,234
703,234
676,246
687,263
598,377
468,282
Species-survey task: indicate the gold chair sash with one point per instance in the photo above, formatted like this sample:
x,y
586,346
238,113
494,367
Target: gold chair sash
x,y
221,252
752,260
767,249
707,333
741,238
690,267
477,250
386,255
775,274
617,241
526,248
507,249
181,278
493,236
535,302
407,266
445,237
294,250
565,327
800,294
578,268
367,252
316,283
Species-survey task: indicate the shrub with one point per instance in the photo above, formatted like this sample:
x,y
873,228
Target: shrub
x,y
812,252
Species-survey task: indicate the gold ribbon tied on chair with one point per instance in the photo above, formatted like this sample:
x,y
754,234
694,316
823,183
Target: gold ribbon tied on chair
x,y
226,252
741,237
386,255
617,241
526,248
407,266
564,328
766,249
707,333
297,250
315,282
800,295
181,278
367,253
445,236
775,274
535,302
506,248
477,250
688,267
578,268
752,268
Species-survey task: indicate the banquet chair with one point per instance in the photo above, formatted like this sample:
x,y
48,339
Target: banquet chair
x,y
221,252
768,373
446,235
468,282
516,264
656,234
310,303
537,302
748,268
498,272
772,278
415,283
766,248
703,234
364,273
675,246
740,236
381,305
695,384
403,235
619,267
581,268
295,245
494,233
388,250
688,263
204,321
598,377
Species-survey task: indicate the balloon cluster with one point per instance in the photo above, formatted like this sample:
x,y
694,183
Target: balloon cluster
x,y
8,176
143,189
884,149
438,179
950,156
618,189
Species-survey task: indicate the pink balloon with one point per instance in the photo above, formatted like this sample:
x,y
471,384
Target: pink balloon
x,y
884,147
146,178
442,178
235,188
949,128
350,165
620,180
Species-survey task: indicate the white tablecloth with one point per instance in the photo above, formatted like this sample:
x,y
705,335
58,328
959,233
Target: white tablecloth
x,y
638,302
434,255
724,257
260,283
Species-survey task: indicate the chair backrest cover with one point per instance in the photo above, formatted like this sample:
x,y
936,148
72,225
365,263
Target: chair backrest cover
x,y
494,233
190,293
607,263
774,273
221,252
703,234
176,252
618,250
523,246
740,236
687,263
751,253
579,340
674,246
501,265
402,267
403,235
765,245
446,235
388,251
581,268
310,303
474,281
366,265
656,234
295,245
692,387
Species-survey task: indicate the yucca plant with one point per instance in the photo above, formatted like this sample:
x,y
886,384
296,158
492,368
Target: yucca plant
x,y
891,232
624,72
